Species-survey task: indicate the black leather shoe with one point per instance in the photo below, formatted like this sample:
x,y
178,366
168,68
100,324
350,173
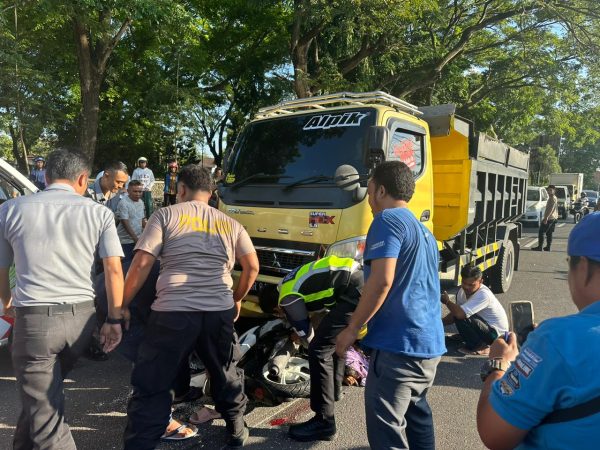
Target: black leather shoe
x,y
315,429
238,441
537,249
546,249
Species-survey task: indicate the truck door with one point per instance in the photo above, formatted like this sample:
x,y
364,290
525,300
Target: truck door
x,y
409,144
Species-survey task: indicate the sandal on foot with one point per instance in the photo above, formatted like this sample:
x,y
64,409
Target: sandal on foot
x,y
204,414
183,431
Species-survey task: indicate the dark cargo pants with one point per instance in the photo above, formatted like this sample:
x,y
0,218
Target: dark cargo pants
x,y
169,339
326,368
46,343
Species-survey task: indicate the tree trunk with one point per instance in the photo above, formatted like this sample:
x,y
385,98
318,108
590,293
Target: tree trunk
x,y
93,60
17,154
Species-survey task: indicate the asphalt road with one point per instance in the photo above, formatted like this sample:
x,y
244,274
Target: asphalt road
x,y
97,391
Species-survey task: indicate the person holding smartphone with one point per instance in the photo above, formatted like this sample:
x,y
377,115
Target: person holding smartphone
x,y
548,394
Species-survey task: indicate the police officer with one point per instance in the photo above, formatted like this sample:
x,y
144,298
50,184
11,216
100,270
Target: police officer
x,y
54,295
38,174
195,308
548,394
336,284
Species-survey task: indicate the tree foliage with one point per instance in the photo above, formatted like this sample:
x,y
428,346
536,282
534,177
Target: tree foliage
x,y
169,79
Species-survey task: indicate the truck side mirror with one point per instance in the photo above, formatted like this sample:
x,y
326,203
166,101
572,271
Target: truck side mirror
x,y
375,150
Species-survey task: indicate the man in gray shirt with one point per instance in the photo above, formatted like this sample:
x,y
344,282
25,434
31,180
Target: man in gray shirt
x,y
53,296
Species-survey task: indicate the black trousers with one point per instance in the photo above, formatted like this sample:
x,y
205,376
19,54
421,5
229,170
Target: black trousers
x,y
45,348
547,229
475,331
169,199
326,369
169,339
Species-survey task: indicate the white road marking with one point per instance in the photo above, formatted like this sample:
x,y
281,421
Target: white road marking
x,y
531,244
560,225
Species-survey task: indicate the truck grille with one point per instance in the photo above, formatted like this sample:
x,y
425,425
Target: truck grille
x,y
283,260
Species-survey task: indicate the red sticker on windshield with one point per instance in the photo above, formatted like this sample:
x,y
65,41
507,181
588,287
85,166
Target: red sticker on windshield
x,y
315,218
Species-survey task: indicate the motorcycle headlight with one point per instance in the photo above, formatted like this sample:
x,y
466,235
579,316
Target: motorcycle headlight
x,y
348,248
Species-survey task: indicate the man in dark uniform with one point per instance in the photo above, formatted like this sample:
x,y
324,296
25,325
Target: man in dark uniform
x,y
336,284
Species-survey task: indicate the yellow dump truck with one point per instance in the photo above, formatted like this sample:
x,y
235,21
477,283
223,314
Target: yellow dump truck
x,y
297,176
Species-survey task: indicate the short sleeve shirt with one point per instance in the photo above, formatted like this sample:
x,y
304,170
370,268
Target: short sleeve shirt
x,y
132,212
51,237
197,246
485,304
409,321
557,368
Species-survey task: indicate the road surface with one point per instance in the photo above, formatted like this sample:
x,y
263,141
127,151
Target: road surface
x,y
97,391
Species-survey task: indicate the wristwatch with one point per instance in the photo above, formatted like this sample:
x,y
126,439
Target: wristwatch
x,y
491,365
112,321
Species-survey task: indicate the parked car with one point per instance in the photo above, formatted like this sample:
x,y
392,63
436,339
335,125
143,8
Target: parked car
x,y
592,198
12,184
537,197
564,201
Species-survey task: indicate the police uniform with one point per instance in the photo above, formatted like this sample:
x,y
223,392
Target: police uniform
x,y
334,283
53,298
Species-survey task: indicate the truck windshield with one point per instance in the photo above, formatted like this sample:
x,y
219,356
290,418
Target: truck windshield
x,y
295,148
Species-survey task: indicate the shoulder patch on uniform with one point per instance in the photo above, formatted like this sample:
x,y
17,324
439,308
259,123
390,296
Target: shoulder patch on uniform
x,y
531,356
512,376
505,388
523,367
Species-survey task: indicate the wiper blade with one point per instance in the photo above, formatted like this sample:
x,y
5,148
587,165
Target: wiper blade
x,y
308,180
255,177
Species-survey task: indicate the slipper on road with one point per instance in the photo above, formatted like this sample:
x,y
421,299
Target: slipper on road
x,y
203,415
178,431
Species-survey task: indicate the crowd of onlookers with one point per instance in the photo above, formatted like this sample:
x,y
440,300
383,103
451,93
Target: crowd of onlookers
x,y
178,296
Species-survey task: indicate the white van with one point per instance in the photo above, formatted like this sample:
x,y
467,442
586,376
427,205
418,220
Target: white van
x,y
12,184
537,197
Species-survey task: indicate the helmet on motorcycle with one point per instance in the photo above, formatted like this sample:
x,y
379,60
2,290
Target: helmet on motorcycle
x,y
583,194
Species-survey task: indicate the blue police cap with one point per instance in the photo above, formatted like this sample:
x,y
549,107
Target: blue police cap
x,y
584,239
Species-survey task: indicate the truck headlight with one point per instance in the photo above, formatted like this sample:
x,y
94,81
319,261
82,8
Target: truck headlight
x,y
348,248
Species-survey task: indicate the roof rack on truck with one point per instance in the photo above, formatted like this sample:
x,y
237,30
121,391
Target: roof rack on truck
x,y
337,99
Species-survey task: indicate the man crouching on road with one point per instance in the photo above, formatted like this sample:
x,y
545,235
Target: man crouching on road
x,y
195,307
548,395
478,315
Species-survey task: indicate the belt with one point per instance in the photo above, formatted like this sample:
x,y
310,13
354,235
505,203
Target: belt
x,y
57,310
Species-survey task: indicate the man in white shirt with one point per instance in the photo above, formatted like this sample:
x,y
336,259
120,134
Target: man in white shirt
x,y
131,218
146,176
478,315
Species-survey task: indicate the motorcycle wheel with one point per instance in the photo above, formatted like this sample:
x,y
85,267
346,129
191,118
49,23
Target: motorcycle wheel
x,y
293,383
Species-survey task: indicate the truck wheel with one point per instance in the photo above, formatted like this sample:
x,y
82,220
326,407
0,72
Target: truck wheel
x,y
502,273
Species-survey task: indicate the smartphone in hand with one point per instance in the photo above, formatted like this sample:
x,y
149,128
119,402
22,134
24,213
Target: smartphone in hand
x,y
520,315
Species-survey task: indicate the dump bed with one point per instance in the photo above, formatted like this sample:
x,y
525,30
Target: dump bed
x,y
478,181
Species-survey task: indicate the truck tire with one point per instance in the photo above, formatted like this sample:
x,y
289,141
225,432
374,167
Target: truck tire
x,y
502,273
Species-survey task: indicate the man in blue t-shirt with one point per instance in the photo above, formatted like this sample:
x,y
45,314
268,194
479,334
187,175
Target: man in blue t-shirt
x,y
400,304
548,395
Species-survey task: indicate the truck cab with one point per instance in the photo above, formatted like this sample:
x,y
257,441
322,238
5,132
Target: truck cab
x,y
297,181
297,178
